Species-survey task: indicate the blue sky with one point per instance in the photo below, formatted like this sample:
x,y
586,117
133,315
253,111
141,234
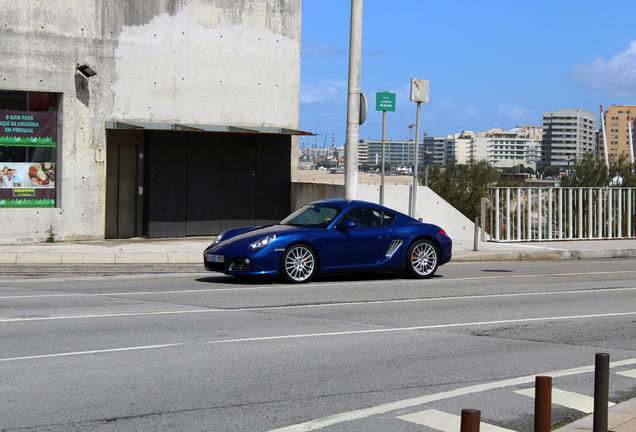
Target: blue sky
x,y
490,63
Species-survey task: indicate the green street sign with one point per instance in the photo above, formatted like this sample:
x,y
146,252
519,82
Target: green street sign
x,y
385,101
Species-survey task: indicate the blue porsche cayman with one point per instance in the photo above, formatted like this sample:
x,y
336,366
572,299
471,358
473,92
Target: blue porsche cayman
x,y
332,236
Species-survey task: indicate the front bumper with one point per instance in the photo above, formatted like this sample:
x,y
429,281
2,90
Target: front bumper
x,y
259,263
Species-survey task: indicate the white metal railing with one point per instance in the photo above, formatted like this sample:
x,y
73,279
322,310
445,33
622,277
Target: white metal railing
x,y
525,214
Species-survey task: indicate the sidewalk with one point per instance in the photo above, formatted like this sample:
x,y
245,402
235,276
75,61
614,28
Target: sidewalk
x,y
621,418
189,250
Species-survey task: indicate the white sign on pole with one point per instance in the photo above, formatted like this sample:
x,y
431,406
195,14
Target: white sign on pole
x,y
419,90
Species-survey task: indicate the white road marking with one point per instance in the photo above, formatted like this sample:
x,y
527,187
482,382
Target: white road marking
x,y
628,373
137,348
312,286
407,403
446,422
309,306
415,328
346,333
567,399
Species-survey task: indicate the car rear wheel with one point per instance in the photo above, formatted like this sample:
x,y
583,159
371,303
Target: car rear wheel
x,y
298,264
422,259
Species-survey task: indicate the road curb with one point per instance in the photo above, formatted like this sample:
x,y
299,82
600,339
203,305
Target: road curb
x,y
197,258
539,255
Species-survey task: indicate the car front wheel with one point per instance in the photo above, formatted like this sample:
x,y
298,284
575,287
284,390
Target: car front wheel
x,y
422,259
298,264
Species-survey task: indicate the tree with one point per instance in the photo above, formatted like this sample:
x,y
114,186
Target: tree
x,y
589,171
549,170
463,186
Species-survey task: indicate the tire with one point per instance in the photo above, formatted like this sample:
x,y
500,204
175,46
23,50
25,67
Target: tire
x,y
422,259
298,264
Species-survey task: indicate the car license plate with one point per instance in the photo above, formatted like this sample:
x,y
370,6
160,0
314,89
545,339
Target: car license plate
x,y
216,258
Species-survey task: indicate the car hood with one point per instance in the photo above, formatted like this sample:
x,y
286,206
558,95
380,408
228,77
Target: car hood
x,y
258,233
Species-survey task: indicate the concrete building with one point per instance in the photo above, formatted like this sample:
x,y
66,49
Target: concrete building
x,y
567,135
437,150
463,145
396,153
502,149
433,150
183,124
518,146
617,119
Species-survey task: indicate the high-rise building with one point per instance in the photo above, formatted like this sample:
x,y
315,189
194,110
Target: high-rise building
x,y
617,131
567,135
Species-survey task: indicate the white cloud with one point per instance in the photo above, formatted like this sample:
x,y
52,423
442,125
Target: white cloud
x,y
616,77
512,112
471,111
330,91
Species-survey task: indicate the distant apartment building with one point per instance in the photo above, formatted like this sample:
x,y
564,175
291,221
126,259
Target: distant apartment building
x,y
463,145
401,153
617,131
567,135
502,149
518,146
437,150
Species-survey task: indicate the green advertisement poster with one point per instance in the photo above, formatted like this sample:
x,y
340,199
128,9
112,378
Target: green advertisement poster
x,y
27,165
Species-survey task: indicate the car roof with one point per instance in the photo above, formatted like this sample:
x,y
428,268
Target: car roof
x,y
343,203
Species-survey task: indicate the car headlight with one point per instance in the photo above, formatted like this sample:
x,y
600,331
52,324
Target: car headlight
x,y
262,242
218,238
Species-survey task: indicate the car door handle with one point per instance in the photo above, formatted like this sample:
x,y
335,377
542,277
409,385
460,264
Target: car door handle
x,y
384,237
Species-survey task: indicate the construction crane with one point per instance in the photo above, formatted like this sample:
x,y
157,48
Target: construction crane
x,y
411,126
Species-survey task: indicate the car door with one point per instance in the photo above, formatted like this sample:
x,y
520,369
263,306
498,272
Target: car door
x,y
364,244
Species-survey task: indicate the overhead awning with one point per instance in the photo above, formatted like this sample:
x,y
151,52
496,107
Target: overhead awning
x,y
204,128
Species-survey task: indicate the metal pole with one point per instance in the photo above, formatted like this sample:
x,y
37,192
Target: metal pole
x,y
631,141
543,404
483,218
415,173
470,420
497,215
601,392
507,222
353,101
383,152
604,139
476,238
519,215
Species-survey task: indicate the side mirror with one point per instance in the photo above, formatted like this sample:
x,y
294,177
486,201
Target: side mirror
x,y
347,224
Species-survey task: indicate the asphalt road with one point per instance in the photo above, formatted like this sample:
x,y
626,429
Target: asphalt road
x,y
120,349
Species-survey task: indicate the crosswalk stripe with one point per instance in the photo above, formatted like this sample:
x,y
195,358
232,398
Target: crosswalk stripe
x,y
445,422
567,399
628,373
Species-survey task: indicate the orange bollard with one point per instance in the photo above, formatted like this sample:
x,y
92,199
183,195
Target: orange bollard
x,y
543,404
470,420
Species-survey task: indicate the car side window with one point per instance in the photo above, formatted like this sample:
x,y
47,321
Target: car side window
x,y
365,217
388,218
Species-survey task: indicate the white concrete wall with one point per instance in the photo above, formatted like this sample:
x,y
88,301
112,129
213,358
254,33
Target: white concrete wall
x,y
431,208
202,61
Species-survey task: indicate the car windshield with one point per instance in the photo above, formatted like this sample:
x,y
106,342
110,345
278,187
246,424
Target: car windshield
x,y
312,215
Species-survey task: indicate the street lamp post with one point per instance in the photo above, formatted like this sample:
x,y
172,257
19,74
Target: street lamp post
x,y
353,101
